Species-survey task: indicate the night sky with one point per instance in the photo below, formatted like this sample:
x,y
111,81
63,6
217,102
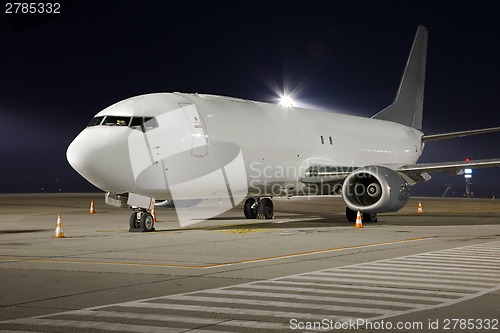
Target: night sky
x,y
58,71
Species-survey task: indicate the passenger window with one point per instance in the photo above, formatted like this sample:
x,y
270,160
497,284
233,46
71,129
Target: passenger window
x,y
322,140
331,141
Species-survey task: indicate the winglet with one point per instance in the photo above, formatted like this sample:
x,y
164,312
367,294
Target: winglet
x,y
407,108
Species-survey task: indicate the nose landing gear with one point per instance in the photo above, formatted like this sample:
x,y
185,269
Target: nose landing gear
x,y
256,208
141,221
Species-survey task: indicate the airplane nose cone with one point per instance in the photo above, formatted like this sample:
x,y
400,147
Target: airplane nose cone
x,y
90,154
86,146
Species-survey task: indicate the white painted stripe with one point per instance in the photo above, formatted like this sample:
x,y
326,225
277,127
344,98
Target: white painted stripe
x,y
458,257
403,298
390,283
382,271
482,253
278,304
419,267
485,245
437,270
237,311
459,262
350,299
144,316
455,294
375,278
181,319
490,247
465,252
471,266
471,254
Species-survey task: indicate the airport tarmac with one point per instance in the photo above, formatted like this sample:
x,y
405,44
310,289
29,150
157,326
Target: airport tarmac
x,y
439,271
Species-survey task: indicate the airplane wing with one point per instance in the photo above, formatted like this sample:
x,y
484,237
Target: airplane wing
x,y
418,172
414,173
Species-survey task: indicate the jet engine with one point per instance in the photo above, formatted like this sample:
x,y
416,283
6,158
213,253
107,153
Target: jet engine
x,y
375,189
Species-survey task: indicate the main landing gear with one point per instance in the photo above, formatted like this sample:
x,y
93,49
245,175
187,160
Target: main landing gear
x,y
365,217
257,208
141,221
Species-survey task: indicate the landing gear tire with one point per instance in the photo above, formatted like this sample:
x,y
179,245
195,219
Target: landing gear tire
x,y
266,209
370,217
134,222
251,208
147,222
141,221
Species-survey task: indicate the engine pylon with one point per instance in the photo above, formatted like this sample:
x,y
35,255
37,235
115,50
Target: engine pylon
x,y
359,223
59,227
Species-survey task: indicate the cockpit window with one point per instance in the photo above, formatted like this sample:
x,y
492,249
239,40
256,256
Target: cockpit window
x,y
96,121
150,123
140,123
116,121
136,122
144,123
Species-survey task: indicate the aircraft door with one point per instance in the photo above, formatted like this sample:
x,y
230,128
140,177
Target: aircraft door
x,y
199,138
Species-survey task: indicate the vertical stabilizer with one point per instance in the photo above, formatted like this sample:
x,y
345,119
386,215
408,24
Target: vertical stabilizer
x,y
407,107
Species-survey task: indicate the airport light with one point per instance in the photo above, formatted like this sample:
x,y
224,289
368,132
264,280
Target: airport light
x,y
286,101
468,177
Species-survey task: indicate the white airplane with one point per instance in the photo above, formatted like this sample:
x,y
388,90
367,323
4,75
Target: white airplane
x,y
177,146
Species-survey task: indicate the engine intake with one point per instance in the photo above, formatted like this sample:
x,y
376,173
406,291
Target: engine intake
x,y
375,189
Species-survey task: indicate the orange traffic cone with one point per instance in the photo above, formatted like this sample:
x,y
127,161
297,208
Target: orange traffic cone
x,y
153,212
59,227
92,208
419,208
359,223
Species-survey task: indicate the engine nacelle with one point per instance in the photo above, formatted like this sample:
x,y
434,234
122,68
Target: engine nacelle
x,y
375,189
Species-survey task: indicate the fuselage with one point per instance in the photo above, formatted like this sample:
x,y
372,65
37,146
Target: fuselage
x,y
189,146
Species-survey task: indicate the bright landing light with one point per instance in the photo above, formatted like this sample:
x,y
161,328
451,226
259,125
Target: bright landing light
x,y
286,101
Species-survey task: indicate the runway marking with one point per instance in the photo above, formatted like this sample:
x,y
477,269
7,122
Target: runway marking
x,y
373,291
206,266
